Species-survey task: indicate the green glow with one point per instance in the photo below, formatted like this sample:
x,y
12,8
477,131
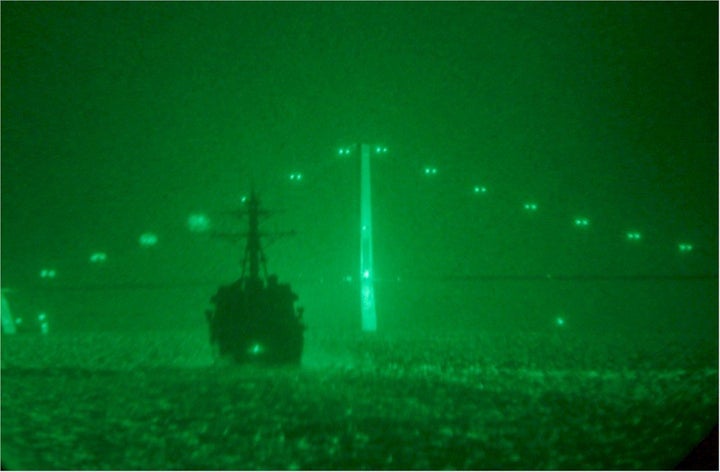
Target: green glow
x,y
98,257
198,223
367,291
685,247
18,321
479,189
560,321
243,199
634,236
431,170
296,176
44,328
531,206
256,349
47,273
582,222
341,152
148,239
42,316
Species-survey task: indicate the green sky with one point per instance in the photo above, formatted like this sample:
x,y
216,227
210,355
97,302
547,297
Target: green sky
x,y
123,118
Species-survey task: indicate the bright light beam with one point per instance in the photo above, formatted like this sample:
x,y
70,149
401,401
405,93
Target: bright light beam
x,y
367,291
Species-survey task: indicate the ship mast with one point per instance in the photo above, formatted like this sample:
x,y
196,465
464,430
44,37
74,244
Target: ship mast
x,y
254,255
254,258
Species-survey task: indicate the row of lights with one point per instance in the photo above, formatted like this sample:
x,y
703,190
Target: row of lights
x,y
580,222
348,150
42,323
200,223
197,223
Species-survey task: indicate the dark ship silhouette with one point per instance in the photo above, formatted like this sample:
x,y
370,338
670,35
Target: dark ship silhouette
x,y
254,319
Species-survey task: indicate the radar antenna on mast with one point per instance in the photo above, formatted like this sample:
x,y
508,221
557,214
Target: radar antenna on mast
x,y
255,318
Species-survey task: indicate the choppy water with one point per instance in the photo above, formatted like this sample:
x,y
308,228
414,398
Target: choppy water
x,y
526,401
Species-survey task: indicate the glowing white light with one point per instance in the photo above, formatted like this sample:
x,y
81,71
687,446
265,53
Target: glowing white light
x,y
367,294
198,223
148,239
98,257
582,222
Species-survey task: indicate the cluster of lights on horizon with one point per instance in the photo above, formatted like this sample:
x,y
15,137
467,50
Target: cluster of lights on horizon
x,y
42,323
199,223
346,151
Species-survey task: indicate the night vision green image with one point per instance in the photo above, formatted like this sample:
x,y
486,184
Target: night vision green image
x,y
350,236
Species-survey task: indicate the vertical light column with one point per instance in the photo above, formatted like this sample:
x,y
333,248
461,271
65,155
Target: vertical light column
x,y
8,323
367,291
